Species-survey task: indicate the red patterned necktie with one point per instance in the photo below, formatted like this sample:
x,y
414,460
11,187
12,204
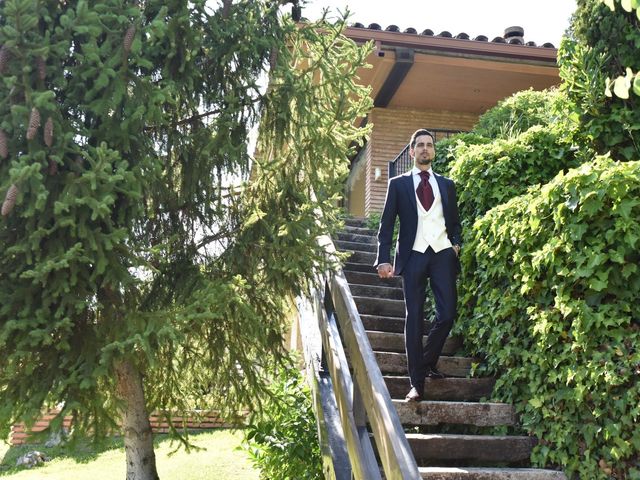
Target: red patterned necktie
x,y
424,191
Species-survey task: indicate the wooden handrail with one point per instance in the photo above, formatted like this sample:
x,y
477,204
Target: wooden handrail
x,y
332,315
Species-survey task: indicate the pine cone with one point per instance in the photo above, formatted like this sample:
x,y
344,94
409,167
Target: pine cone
x,y
48,132
226,7
4,58
9,200
273,59
42,68
4,147
53,167
34,123
128,39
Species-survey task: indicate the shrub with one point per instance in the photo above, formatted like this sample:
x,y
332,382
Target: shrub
x,y
602,45
521,111
555,283
490,174
447,150
284,443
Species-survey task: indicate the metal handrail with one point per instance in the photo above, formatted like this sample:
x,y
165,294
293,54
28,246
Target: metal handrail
x,y
331,327
403,161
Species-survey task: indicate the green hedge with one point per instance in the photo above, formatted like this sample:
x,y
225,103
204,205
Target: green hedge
x,y
488,175
553,282
521,111
447,150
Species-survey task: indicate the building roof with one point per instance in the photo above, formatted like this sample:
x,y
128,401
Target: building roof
x,y
443,72
512,35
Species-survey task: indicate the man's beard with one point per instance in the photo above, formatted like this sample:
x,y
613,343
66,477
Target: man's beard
x,y
424,161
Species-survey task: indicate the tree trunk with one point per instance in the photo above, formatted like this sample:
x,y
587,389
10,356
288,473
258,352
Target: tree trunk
x,y
138,438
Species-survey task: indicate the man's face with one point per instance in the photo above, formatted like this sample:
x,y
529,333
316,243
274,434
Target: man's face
x,y
423,152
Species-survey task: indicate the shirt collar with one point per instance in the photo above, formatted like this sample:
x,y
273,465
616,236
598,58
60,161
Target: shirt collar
x,y
416,171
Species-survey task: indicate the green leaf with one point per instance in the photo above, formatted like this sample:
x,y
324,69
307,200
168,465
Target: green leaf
x,y
636,84
621,86
535,402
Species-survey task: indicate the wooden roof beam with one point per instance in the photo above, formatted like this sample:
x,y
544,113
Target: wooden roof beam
x,y
404,58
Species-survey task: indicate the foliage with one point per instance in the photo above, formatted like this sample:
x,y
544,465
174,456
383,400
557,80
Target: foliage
x,y
123,242
284,442
487,175
372,222
623,84
521,111
602,45
447,150
556,278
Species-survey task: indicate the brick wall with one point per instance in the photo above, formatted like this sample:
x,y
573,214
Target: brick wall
x,y
207,420
392,129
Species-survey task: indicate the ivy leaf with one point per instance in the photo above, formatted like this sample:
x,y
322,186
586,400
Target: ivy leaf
x,y
621,87
626,5
636,81
535,402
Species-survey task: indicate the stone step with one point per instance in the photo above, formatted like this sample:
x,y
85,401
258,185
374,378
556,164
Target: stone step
x,y
355,246
363,257
455,413
373,279
476,449
479,473
394,342
396,363
355,221
450,389
360,230
358,238
358,267
376,292
384,324
379,306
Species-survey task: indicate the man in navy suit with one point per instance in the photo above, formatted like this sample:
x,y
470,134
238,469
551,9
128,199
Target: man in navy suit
x,y
427,251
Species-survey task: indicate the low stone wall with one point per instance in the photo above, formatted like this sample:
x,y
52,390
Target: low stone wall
x,y
203,421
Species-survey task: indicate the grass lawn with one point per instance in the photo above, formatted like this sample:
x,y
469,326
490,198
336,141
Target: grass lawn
x,y
219,459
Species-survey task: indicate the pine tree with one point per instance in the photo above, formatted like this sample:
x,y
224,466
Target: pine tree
x,y
132,276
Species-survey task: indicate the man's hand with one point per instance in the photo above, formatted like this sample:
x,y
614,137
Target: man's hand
x,y
456,248
385,270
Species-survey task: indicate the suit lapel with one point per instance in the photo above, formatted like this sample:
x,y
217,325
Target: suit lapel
x,y
408,187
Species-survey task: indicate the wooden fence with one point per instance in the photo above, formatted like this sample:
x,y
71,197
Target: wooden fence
x,y
159,424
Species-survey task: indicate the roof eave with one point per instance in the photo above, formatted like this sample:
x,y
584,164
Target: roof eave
x,y
444,45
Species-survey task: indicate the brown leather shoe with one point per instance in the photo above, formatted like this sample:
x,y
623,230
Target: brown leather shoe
x,y
413,395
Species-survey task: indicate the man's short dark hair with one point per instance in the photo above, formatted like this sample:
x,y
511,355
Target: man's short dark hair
x,y
417,133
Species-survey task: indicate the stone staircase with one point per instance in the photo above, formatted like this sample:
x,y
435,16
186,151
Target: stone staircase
x,y
453,433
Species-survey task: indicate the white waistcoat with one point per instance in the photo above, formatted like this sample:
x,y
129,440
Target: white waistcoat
x,y
432,231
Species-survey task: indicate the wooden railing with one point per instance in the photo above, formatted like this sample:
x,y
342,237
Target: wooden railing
x,y
345,404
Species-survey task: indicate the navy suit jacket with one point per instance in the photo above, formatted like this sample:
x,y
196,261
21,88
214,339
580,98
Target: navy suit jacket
x,y
401,202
